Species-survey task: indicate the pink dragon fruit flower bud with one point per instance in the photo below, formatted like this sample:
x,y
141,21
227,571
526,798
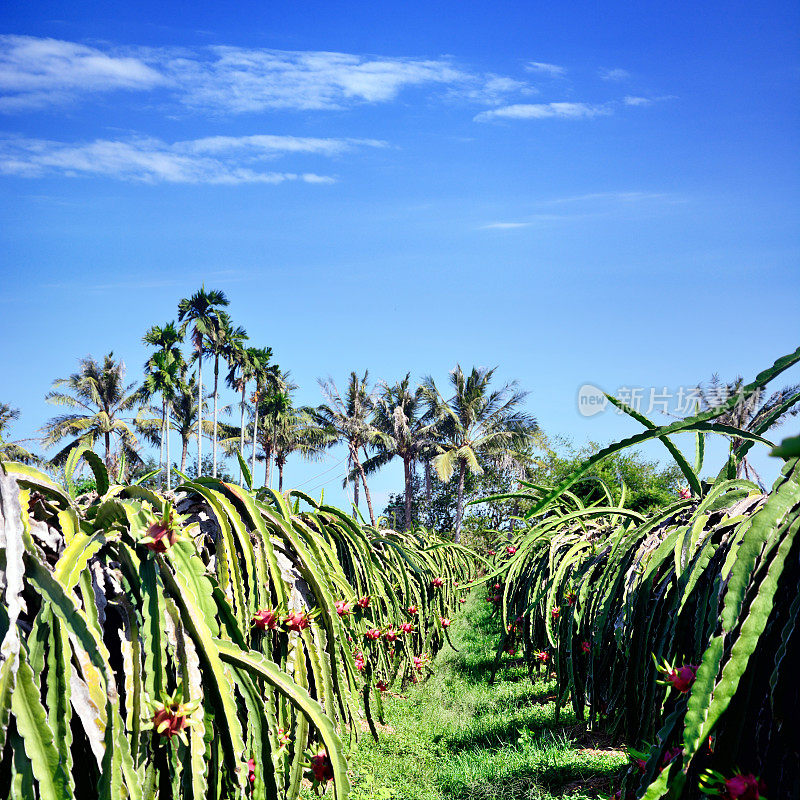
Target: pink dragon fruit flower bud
x,y
407,627
412,610
373,633
437,582
686,493
363,602
445,622
251,770
462,599
511,550
266,619
555,613
542,656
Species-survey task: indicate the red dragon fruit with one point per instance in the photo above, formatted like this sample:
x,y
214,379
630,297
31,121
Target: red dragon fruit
x,y
363,602
373,633
343,608
321,767
266,618
297,621
407,627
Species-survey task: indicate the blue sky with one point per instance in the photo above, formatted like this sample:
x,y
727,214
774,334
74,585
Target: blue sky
x,y
575,194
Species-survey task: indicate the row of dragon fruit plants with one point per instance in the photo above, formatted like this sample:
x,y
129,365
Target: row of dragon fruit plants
x,y
677,634
218,642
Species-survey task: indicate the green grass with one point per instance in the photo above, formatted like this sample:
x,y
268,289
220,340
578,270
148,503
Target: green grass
x,y
457,737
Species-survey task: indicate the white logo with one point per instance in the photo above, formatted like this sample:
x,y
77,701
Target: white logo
x,y
591,400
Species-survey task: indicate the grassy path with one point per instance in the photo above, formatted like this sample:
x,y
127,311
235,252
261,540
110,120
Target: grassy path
x,y
457,737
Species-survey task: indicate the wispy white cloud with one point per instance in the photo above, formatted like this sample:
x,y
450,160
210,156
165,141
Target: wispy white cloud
x,y
35,73
544,111
616,197
505,226
630,100
542,68
213,160
614,74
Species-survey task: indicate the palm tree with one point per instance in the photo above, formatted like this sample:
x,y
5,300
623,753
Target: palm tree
x,y
101,397
184,415
299,432
202,309
756,414
349,417
167,360
12,450
264,374
165,374
223,340
401,431
246,363
273,405
476,421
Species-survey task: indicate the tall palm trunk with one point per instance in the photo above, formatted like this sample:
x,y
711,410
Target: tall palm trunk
x,y
184,450
407,472
280,477
241,436
267,461
462,471
199,413
216,403
357,462
161,449
169,462
107,437
255,434
351,463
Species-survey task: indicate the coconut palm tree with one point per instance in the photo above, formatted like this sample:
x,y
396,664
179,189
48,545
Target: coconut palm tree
x,y
756,414
164,376
246,363
101,398
223,339
403,431
201,309
265,375
349,416
184,415
168,359
299,432
273,406
12,451
476,421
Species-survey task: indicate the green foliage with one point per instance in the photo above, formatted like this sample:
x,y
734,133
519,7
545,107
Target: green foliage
x,y
648,485
173,638
675,632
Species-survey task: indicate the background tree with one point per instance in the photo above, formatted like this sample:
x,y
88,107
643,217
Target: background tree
x,y
757,414
101,397
401,430
13,451
163,372
349,417
298,432
476,421
265,375
201,309
274,404
223,341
